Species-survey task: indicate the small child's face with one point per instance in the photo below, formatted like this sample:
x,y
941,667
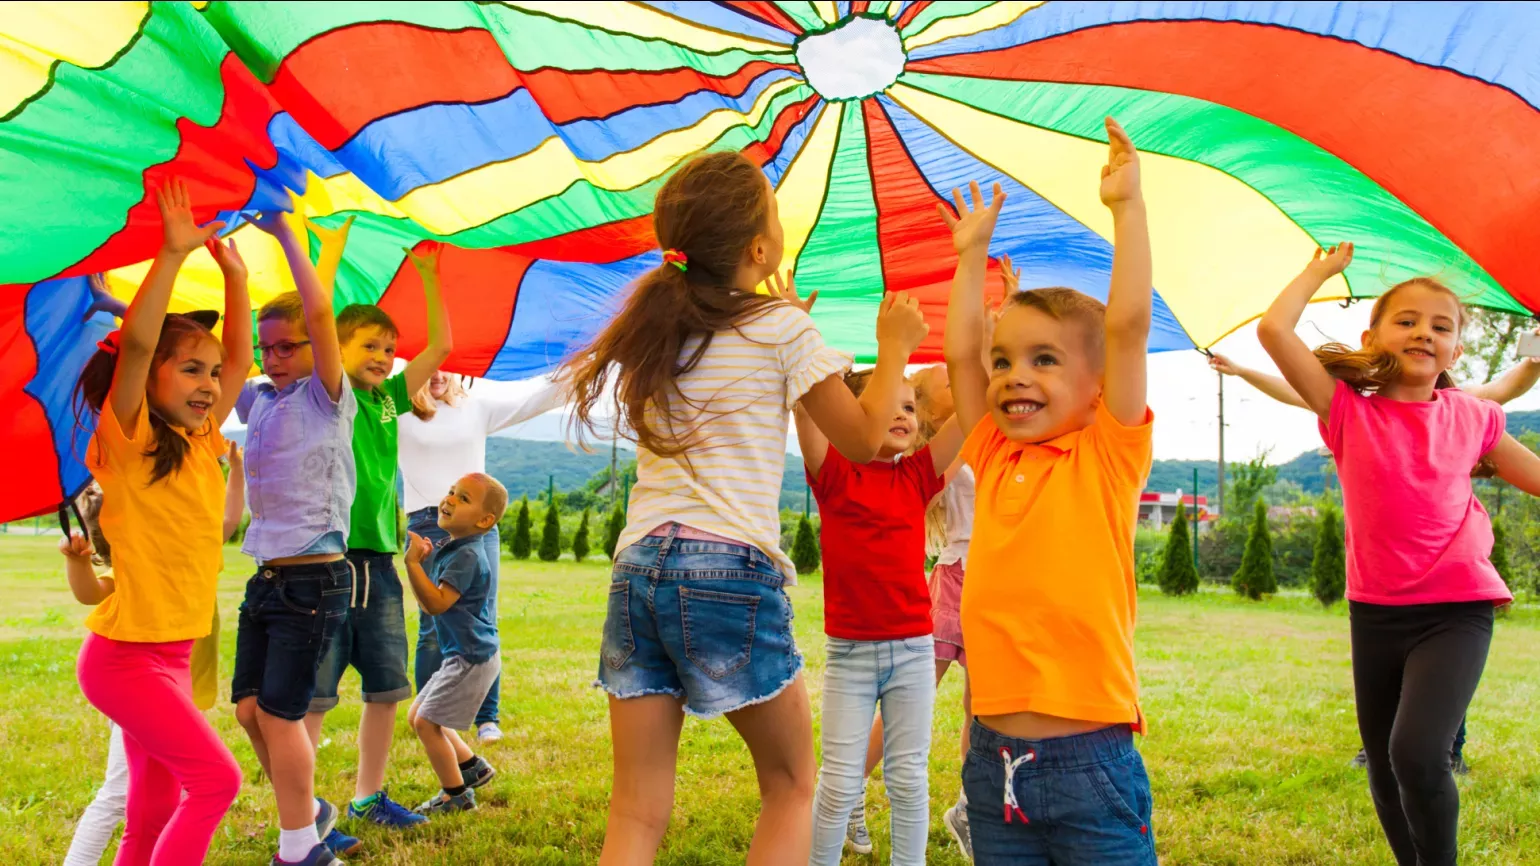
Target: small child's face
x,y
464,511
1043,382
277,336
368,356
1421,328
184,388
901,431
938,394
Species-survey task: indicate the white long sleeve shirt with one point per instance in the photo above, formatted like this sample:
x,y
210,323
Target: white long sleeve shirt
x,y
437,453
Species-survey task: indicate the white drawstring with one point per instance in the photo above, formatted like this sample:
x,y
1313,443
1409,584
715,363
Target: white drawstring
x,y
366,584
1011,806
352,584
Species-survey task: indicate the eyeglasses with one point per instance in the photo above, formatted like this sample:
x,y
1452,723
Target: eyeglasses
x,y
285,349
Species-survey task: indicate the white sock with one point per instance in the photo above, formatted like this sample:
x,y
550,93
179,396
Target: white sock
x,y
293,845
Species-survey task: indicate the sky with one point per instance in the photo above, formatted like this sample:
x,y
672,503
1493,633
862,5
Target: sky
x,y
1183,395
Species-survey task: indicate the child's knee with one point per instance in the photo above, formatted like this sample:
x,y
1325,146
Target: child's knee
x,y
246,714
424,728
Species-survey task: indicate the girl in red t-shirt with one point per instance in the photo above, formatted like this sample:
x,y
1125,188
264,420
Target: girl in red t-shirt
x,y
877,617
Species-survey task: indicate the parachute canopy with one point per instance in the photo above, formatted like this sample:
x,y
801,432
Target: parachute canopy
x,y
532,136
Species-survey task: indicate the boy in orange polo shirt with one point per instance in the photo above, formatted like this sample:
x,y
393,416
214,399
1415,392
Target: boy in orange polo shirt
x,y
1060,447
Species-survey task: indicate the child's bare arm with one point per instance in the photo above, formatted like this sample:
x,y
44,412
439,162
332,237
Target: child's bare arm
x,y
962,344
946,445
1511,385
84,584
1130,298
440,340
236,331
1273,386
235,492
811,441
143,319
1295,360
433,600
1517,465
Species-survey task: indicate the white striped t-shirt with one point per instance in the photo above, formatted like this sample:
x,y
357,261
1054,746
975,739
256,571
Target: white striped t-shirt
x,y
733,408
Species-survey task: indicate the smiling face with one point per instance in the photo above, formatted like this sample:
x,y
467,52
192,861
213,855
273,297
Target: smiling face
x,y
438,386
185,386
902,429
275,336
1419,325
464,511
368,355
1044,374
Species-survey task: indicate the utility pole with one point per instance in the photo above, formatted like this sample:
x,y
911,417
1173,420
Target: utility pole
x,y
1220,509
1194,517
614,479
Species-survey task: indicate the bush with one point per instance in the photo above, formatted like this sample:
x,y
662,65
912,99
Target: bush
x,y
1178,575
1221,548
1328,570
805,554
580,541
617,524
1255,577
519,545
550,535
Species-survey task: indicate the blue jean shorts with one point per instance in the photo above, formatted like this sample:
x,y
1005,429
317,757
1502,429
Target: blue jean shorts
x,y
290,616
372,638
705,622
1071,801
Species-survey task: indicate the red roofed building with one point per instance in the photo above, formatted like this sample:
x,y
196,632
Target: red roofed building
x,y
1158,509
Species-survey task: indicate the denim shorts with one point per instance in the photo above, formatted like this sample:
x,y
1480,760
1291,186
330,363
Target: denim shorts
x,y
372,639
289,617
1071,801
703,621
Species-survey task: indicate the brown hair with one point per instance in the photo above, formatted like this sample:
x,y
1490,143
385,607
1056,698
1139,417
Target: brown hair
x,y
1069,305
423,404
495,499
355,316
711,210
287,307
1371,367
169,448
856,381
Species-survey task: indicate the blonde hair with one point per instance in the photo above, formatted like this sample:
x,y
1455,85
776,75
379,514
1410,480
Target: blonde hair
x,y
936,512
424,406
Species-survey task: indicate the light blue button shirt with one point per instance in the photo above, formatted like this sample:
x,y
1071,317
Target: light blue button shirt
x,y
300,478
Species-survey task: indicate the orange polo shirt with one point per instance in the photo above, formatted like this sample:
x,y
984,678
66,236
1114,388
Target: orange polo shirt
x,y
1049,605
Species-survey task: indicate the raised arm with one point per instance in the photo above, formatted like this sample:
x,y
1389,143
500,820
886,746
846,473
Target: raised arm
x,y
235,492
811,442
440,341
1132,293
962,345
315,294
1298,364
946,445
143,318
1517,465
1273,386
1511,385
506,413
236,333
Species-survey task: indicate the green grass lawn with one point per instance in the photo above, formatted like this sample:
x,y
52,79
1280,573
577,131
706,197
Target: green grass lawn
x,y
1250,707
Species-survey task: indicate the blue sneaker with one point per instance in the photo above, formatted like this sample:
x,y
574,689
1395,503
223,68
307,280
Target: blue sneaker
x,y
340,843
387,813
325,818
320,855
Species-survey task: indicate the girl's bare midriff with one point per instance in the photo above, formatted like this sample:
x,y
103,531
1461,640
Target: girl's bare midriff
x,y
1036,726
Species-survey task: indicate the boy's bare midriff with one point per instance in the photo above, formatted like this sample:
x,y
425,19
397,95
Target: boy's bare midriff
x,y
1037,726
311,559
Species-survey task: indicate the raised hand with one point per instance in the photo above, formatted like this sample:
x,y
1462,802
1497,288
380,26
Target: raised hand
x,y
102,300
338,235
180,233
235,457
1221,364
973,227
273,222
426,263
1011,276
227,257
76,546
417,547
1332,261
900,324
787,291
1120,176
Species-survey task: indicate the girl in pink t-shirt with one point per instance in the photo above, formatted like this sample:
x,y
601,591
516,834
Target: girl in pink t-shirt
x,y
1421,587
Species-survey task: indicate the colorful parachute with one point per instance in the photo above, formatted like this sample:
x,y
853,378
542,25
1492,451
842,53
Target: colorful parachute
x,y
532,136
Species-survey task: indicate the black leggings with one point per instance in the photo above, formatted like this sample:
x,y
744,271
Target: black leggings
x,y
1415,668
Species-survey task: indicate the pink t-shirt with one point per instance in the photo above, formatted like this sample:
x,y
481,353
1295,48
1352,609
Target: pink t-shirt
x,y
1416,533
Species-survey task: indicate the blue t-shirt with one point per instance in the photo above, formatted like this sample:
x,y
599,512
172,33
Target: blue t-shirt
x,y
469,628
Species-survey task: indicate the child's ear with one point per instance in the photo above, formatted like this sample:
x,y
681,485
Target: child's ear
x,y
487,521
1365,339
1459,352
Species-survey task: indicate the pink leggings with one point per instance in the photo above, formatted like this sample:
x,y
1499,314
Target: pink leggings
x,y
147,689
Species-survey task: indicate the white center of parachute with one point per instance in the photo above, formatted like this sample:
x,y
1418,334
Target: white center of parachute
x,y
859,57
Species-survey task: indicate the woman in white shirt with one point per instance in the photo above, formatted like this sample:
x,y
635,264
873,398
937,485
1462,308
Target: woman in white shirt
x,y
443,439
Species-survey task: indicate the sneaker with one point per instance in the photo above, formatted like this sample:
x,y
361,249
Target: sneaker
x,y
1360,760
442,803
387,813
488,732
479,774
956,821
856,837
325,818
340,842
1458,765
320,855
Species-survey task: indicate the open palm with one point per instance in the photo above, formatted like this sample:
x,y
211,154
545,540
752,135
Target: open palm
x,y
973,226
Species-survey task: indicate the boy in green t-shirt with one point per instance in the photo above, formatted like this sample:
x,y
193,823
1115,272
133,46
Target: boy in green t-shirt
x,y
373,637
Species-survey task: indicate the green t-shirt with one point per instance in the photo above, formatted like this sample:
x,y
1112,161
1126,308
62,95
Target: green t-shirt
x,y
374,455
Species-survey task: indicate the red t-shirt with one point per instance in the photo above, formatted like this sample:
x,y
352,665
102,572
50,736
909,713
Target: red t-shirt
x,y
873,537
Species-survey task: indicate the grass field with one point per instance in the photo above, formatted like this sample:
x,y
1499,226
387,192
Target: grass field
x,y
1250,708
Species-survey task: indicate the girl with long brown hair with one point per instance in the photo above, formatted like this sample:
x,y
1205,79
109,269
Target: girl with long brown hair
x,y
1421,586
704,372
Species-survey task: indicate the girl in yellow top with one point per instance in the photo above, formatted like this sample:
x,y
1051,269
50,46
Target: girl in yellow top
x,y
160,388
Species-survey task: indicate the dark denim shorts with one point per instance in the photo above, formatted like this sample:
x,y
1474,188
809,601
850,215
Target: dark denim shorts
x,y
290,615
706,622
372,639
1073,801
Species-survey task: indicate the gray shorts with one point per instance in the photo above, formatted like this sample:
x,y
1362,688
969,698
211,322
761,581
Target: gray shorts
x,y
451,697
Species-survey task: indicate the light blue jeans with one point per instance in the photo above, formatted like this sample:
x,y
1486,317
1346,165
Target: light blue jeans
x,y
901,676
